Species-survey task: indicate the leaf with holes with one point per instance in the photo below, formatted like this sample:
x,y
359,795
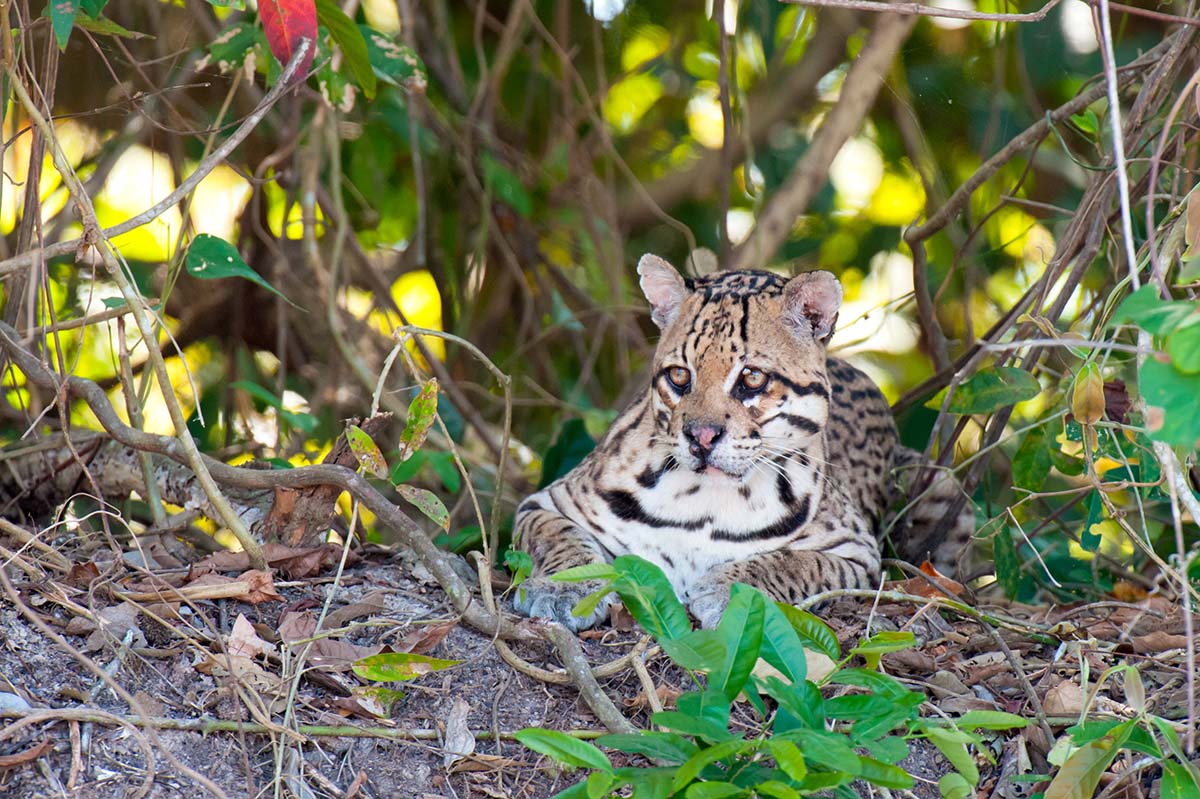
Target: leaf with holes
x,y
349,40
421,413
210,258
393,62
428,503
287,23
366,451
993,389
234,46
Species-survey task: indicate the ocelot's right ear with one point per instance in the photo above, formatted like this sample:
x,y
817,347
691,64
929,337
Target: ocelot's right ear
x,y
664,288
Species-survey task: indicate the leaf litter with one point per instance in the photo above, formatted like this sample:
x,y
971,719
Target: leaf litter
x,y
262,651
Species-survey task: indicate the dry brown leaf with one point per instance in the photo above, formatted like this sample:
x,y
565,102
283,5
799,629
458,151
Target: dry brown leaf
x,y
372,604
480,762
243,640
114,623
424,638
330,654
27,756
82,574
459,741
1064,699
262,587
1158,641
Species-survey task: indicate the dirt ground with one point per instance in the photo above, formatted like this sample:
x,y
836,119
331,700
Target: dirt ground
x,y
69,733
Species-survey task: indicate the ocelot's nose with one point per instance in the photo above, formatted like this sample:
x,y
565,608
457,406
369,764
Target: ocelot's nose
x,y
702,437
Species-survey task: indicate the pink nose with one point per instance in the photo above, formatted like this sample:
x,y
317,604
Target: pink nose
x,y
702,437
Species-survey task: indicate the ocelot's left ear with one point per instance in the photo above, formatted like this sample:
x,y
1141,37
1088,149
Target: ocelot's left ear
x,y
810,304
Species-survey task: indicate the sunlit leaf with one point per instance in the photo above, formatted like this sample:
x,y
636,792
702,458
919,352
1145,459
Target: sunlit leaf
x,y
649,597
399,666
103,26
428,503
1178,782
421,413
564,749
883,642
952,744
954,786
665,746
366,451
1079,776
990,720
993,389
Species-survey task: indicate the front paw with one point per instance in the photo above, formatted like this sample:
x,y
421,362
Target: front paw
x,y
541,597
708,600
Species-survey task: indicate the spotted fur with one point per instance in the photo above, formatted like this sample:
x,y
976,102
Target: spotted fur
x,y
753,457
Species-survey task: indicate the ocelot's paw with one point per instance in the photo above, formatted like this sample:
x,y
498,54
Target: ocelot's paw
x,y
708,599
541,597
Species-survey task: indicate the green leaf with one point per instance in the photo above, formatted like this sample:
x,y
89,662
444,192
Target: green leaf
x,y
588,571
421,413
713,790
564,749
952,744
366,451
741,630
1170,398
62,19
691,768
879,683
993,389
990,720
446,469
399,666
802,700
519,563
103,26
825,749
1087,122
814,633
777,790
789,758
781,645
1184,348
394,63
598,784
881,643
1178,782
883,774
1152,313
234,45
691,725
1007,562
649,597
505,186
699,650
211,258
1031,462
92,7
954,786
665,746
891,749
1079,776
428,503
350,40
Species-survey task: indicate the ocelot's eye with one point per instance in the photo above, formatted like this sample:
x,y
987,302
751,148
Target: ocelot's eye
x,y
752,380
680,377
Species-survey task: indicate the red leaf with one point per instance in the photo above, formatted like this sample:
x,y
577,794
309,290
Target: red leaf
x,y
286,23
